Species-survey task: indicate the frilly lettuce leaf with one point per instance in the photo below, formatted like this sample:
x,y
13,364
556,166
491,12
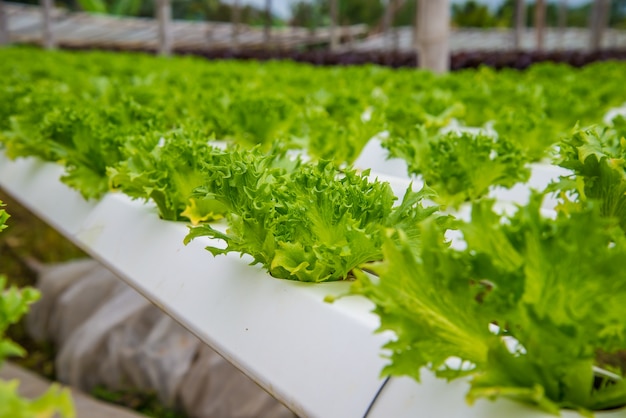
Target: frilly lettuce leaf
x,y
311,222
460,166
597,157
261,119
3,216
166,169
431,316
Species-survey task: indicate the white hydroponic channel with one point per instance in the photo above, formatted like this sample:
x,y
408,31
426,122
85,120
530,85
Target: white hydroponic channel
x,y
319,359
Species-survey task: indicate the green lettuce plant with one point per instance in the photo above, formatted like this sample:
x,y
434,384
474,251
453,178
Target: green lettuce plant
x,y
525,306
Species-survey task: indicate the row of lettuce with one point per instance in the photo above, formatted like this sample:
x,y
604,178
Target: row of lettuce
x,y
528,305
65,106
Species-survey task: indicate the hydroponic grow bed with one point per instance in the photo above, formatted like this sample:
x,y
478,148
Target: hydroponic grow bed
x,y
320,359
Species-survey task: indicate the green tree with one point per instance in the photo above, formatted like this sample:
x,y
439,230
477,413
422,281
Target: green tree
x,y
618,14
305,14
114,7
472,14
360,11
350,12
406,14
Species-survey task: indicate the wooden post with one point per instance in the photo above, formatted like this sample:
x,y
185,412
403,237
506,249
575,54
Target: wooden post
x,y
236,21
395,38
433,25
562,15
540,23
267,28
520,23
387,19
4,25
351,38
562,21
164,18
46,27
314,23
292,39
387,36
598,23
415,34
334,18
